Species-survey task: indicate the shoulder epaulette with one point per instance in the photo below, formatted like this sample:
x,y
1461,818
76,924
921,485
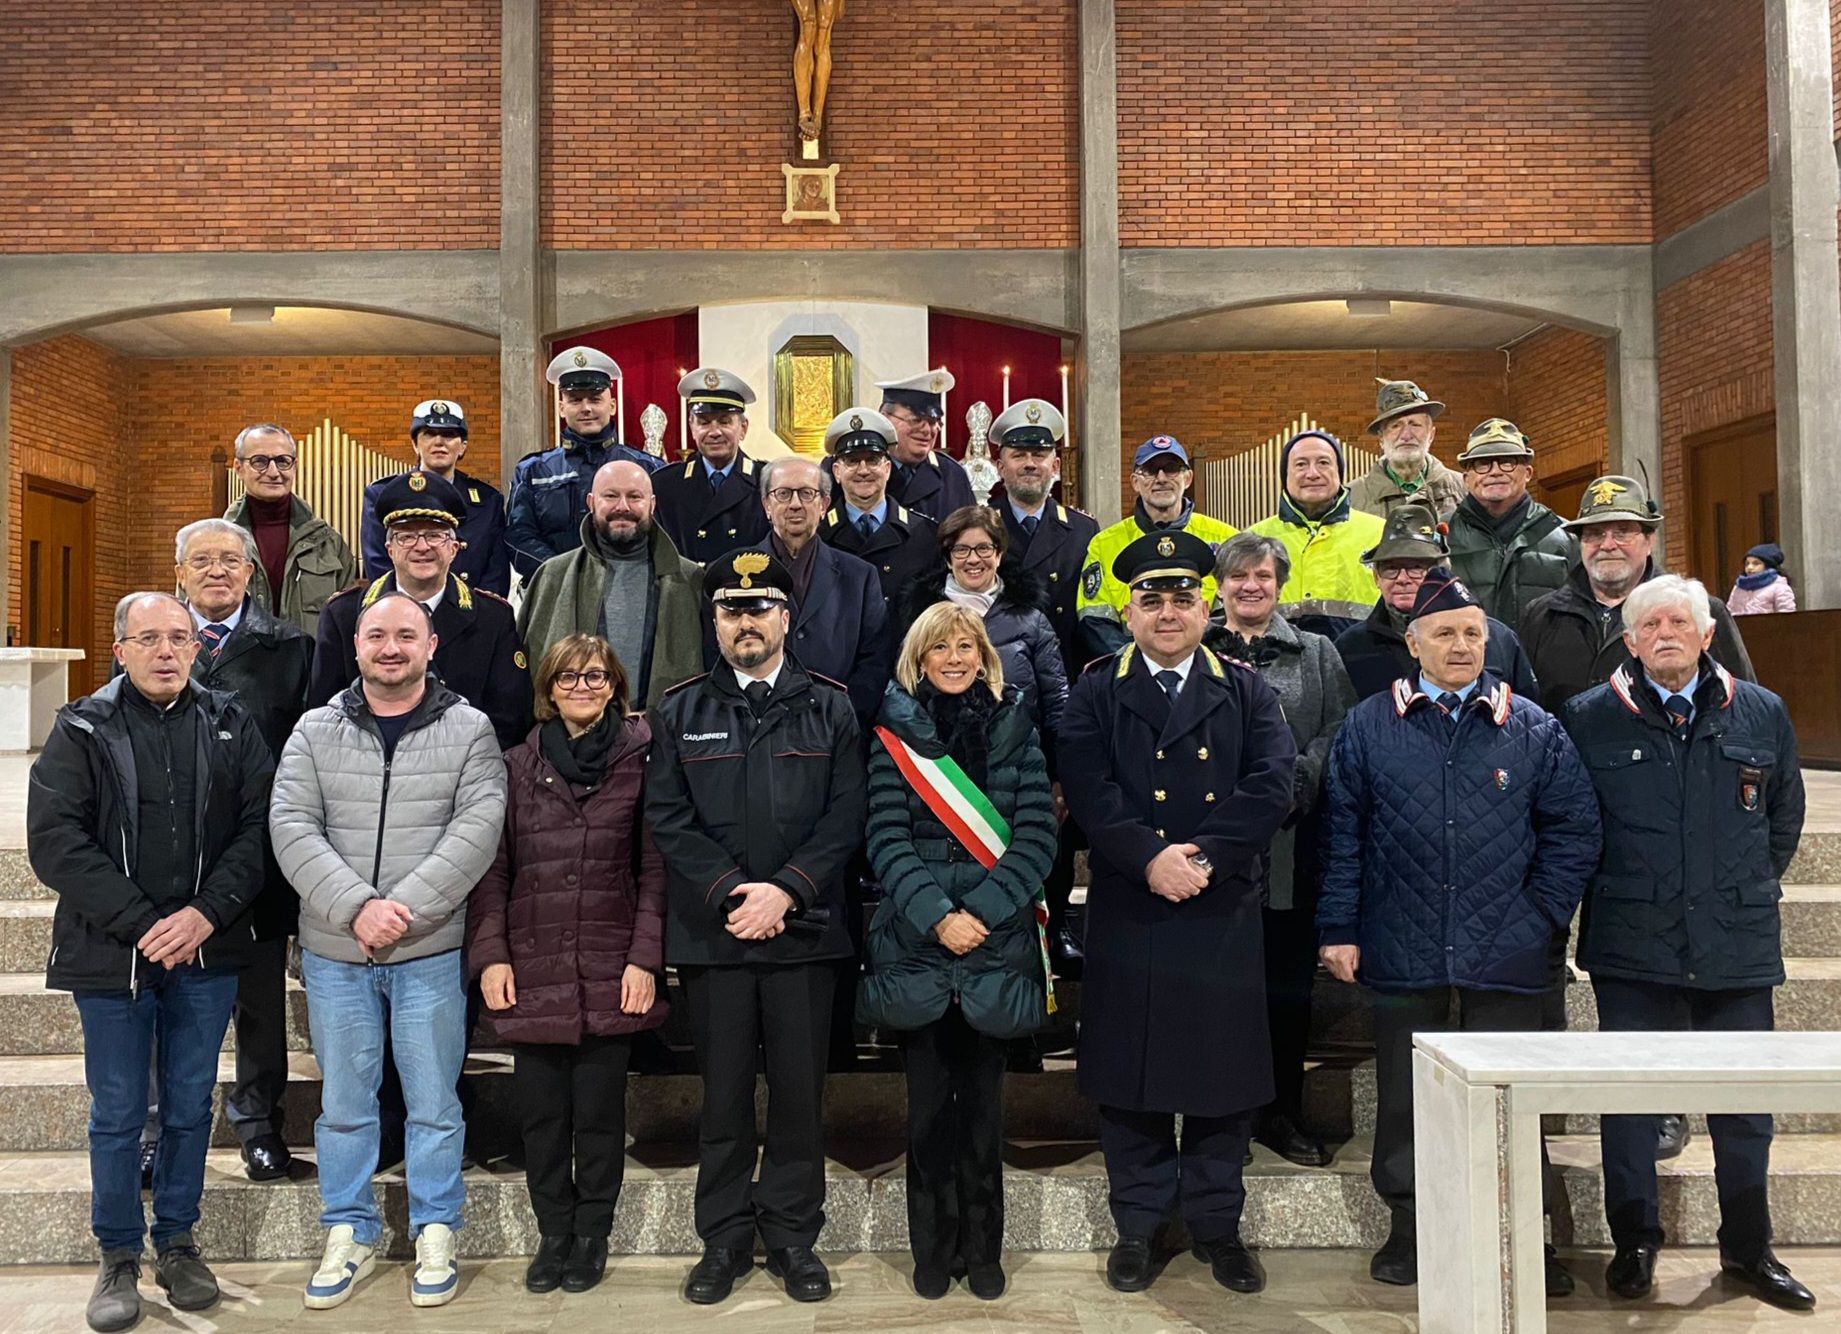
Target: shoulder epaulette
x,y
343,592
687,681
374,590
690,466
1124,657
834,684
488,593
902,515
749,466
830,518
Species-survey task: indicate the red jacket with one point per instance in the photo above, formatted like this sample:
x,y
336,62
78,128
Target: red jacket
x,y
576,893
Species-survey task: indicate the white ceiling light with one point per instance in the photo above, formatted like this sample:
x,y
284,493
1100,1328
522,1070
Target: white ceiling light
x,y
252,314
1368,307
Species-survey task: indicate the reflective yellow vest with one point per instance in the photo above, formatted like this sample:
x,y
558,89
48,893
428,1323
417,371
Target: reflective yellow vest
x,y
1103,597
1327,574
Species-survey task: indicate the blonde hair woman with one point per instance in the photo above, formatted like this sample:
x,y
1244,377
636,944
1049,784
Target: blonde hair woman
x,y
961,835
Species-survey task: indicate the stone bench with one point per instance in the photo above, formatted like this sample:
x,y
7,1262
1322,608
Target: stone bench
x,y
1477,1105
34,685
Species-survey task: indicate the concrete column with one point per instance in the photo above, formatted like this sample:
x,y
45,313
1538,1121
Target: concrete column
x,y
6,482
1633,401
1096,361
523,405
1805,296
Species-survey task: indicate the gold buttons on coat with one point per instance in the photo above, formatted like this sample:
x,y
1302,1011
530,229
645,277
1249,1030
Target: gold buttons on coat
x,y
1160,754
1201,753
1160,794
1208,796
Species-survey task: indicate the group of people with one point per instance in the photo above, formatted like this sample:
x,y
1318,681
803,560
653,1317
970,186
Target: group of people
x,y
815,741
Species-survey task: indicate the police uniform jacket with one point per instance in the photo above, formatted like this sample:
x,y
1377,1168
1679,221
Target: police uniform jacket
x,y
705,522
935,488
1214,769
731,799
484,561
905,545
1697,833
1054,556
479,657
841,630
549,495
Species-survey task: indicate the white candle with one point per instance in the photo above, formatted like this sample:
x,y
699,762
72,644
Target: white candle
x,y
1006,387
683,419
1064,393
945,417
620,411
556,415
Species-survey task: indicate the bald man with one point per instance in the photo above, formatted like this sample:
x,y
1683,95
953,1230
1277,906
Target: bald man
x,y
626,583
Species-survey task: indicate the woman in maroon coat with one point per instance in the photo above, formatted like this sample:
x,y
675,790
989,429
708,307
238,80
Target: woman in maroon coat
x,y
566,935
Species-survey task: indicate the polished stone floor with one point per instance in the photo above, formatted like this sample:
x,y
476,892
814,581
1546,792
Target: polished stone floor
x,y
1308,1291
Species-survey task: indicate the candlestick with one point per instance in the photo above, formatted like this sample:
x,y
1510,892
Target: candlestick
x,y
620,411
1064,393
1006,387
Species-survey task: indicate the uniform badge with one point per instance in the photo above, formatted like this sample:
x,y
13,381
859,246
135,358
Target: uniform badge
x,y
581,357
417,482
1604,490
1033,412
1090,580
473,494
437,409
1166,546
518,658
1751,787
711,379
1502,780
856,421
936,384
748,564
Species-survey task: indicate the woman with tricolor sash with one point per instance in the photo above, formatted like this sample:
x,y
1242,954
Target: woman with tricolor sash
x,y
962,833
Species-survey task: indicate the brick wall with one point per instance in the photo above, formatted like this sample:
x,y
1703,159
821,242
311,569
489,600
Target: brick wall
x,y
184,408
1710,131
69,425
1225,402
1714,347
665,125
262,125
1377,122
1557,395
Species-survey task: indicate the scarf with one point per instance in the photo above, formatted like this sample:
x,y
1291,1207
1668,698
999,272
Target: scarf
x,y
581,760
963,722
1259,652
1753,582
1502,530
977,603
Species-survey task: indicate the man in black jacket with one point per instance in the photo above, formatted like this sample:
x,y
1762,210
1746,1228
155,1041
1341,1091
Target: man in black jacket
x,y
265,662
709,503
864,519
756,795
146,814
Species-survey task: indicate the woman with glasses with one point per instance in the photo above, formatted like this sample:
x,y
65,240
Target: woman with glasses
x,y
566,937
961,835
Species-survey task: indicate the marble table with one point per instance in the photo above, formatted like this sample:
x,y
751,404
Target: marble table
x,y
1478,1099
34,685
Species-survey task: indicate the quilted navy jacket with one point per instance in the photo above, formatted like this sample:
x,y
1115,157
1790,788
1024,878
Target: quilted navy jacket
x,y
1455,851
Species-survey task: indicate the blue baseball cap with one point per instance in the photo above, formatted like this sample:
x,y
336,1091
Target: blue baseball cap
x,y
1160,446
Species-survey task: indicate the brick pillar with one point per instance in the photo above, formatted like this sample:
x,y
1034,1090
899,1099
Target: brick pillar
x,y
523,406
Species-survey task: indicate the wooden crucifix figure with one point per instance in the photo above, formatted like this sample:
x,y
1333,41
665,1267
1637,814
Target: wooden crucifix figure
x,y
812,61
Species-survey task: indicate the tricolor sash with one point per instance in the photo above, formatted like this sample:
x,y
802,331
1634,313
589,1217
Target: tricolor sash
x,y
959,804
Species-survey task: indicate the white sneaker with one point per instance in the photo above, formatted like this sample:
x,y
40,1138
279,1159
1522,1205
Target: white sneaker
x,y
341,1267
437,1275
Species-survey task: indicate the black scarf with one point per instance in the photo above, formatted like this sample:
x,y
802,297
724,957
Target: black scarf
x,y
581,760
963,722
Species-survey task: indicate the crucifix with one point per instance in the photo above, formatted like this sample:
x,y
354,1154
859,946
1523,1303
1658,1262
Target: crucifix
x,y
812,67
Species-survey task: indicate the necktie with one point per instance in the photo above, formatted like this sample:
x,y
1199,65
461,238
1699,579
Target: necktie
x,y
757,693
1172,683
1450,703
1031,522
1679,711
214,636
716,480
867,524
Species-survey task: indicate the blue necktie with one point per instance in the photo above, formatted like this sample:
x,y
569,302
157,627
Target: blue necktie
x,y
1172,683
1450,702
716,480
1679,713
867,525
214,636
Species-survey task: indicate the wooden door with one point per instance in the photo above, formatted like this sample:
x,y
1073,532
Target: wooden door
x,y
1732,499
56,551
1563,493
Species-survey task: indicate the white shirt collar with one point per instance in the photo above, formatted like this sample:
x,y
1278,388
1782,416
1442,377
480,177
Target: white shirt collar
x,y
1182,669
229,622
772,678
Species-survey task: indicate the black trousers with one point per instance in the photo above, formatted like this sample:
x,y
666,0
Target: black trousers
x,y
1060,882
260,1021
1553,1004
955,1142
1149,1175
1291,973
573,1099
1399,1015
738,1015
1741,1144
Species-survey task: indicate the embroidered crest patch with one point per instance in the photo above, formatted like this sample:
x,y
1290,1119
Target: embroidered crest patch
x,y
1090,580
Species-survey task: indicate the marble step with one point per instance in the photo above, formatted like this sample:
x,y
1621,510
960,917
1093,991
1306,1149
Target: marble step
x,y
37,1022
1055,1197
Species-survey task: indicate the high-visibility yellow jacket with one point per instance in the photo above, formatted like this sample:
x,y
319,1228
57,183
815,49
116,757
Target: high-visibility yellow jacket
x,y
1101,605
1327,574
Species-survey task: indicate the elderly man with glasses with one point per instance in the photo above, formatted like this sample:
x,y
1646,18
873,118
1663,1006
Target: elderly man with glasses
x,y
303,559
923,476
146,815
865,519
1507,547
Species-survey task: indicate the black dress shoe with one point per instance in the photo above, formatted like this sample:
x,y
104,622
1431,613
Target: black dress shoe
x,y
1235,1267
546,1267
805,1275
149,1151
587,1262
713,1277
1632,1271
1397,1262
1287,1139
1771,1282
986,1282
1130,1267
1065,955
1559,1278
266,1158
1671,1136
931,1281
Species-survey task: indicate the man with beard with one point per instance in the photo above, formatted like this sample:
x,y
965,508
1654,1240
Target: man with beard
x,y
438,430
1407,470
1328,590
756,794
1160,475
864,521
626,583
1507,547
478,653
551,486
1048,540
710,504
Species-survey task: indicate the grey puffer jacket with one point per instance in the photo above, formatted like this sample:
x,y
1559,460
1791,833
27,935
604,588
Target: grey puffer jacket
x,y
421,829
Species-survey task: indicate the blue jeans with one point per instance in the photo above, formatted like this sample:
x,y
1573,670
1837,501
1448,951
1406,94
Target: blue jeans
x,y
347,1004
185,1011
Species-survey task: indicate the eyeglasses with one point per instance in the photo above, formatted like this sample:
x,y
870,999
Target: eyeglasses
x,y
177,640
1160,472
1158,601
1494,465
1605,534
914,423
261,463
594,679
983,551
202,564
1412,574
409,541
785,495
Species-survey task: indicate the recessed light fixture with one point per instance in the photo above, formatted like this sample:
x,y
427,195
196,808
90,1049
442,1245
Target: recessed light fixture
x,y
252,314
1363,308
